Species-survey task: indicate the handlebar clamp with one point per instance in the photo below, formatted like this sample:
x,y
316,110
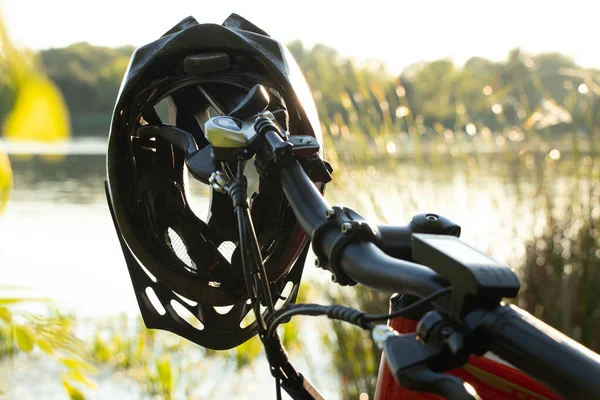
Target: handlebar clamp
x,y
353,227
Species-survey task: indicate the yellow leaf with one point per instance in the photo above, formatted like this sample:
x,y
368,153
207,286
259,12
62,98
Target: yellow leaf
x,y
78,376
165,373
77,365
101,351
39,112
45,346
73,392
5,314
6,179
25,337
15,300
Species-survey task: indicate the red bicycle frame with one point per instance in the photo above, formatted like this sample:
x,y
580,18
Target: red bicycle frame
x,y
491,379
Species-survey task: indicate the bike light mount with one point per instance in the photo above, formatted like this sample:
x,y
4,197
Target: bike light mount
x,y
476,279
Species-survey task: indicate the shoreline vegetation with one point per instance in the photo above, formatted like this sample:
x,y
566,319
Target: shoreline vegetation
x,y
534,94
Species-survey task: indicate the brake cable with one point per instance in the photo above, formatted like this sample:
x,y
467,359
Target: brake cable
x,y
348,314
253,265
257,280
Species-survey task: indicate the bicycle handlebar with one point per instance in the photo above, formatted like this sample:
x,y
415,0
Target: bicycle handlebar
x,y
517,337
364,262
544,353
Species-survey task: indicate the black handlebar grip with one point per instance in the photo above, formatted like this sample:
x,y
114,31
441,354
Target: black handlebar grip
x,y
544,353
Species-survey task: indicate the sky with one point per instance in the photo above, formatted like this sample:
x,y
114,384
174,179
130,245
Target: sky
x,y
399,32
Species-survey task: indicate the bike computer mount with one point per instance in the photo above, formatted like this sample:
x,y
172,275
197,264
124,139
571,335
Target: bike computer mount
x,y
476,279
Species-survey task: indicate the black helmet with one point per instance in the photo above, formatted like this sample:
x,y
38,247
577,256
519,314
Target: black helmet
x,y
184,268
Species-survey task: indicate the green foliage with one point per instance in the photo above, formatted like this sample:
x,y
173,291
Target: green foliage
x,y
136,354
561,269
89,76
362,104
130,349
21,331
247,352
291,336
364,110
160,378
355,357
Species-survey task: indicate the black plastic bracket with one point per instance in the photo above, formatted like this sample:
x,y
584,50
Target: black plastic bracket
x,y
353,228
477,280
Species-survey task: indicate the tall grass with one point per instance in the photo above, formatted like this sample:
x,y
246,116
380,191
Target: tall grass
x,y
561,270
542,128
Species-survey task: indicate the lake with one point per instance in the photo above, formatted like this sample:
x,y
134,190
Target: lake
x,y
57,239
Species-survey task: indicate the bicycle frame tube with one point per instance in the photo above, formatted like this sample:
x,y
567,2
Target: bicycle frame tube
x,y
491,379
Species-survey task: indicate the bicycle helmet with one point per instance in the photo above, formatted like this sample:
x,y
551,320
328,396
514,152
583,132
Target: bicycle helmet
x,y
187,272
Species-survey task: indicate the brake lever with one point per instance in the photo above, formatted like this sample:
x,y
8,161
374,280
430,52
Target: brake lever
x,y
414,359
199,162
423,379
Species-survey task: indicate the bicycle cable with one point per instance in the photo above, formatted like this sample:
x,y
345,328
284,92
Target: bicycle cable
x,y
256,278
259,289
404,310
348,314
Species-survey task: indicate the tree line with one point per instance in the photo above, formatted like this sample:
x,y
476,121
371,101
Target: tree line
x,y
363,101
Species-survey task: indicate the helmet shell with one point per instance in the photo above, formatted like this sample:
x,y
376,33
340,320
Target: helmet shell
x,y
167,247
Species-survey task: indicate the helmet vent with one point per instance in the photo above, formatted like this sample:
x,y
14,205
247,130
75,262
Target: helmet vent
x,y
186,315
180,249
153,298
152,277
285,293
248,320
226,249
223,309
186,300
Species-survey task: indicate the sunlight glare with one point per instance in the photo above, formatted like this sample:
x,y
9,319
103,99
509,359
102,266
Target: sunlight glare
x,y
471,129
402,111
516,135
554,154
390,147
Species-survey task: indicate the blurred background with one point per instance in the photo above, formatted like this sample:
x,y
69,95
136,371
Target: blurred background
x,y
487,113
